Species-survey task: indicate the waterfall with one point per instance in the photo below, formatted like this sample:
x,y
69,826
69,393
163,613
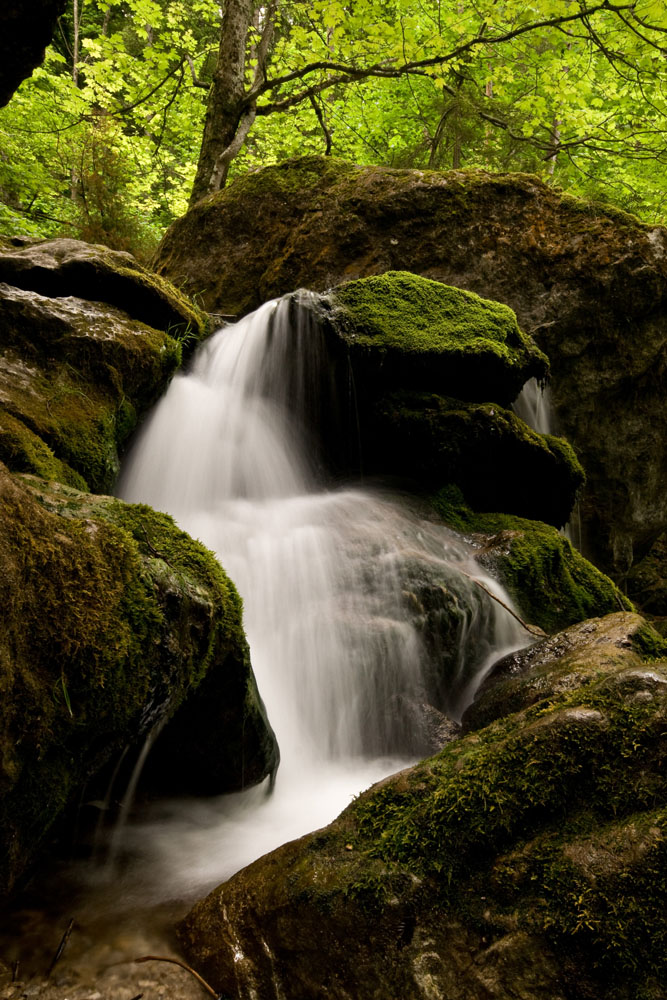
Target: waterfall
x,y
362,613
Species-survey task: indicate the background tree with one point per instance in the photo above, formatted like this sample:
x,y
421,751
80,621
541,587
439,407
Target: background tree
x,y
105,140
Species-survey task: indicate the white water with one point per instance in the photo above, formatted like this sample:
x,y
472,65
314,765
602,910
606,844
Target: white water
x,y
535,407
335,584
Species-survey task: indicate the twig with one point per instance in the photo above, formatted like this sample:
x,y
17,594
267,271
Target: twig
x,y
158,555
15,971
61,947
188,968
533,629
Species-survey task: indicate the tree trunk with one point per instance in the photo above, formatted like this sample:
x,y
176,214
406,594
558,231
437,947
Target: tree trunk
x,y
226,110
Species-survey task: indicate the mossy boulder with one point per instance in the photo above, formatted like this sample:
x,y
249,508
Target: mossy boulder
x,y
374,352
551,583
112,617
404,331
587,281
74,377
499,463
498,868
64,267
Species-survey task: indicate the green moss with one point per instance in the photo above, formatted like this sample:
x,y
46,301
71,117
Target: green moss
x,y
404,310
24,451
550,581
562,779
650,644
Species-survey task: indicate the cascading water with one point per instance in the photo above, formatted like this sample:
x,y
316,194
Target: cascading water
x,y
362,616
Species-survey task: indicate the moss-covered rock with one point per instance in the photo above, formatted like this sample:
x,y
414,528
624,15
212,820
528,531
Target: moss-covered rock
x,y
111,617
64,267
415,333
498,868
588,282
552,584
498,462
74,377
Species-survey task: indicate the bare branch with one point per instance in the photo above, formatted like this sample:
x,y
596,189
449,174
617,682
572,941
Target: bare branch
x,y
196,82
323,125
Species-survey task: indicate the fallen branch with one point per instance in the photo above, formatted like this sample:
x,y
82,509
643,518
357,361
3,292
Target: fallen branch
x,y
61,947
188,968
533,629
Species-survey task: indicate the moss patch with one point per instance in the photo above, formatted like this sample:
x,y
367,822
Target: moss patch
x,y
399,309
425,335
551,582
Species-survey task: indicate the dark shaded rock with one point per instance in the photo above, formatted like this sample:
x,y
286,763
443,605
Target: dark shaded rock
x,y
587,281
25,31
647,581
498,462
497,869
74,377
111,618
551,583
64,267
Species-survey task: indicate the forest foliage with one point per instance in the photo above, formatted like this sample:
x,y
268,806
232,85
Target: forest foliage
x,y
102,142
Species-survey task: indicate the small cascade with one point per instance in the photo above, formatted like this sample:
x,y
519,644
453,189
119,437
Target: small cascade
x,y
363,615
535,407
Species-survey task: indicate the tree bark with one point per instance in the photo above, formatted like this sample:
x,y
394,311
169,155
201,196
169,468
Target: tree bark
x,y
226,103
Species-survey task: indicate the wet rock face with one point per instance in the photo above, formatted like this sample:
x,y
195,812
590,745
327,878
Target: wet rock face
x,y
588,283
112,617
498,868
25,31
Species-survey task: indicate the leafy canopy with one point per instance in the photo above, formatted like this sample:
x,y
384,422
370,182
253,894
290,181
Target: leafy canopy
x,y
103,140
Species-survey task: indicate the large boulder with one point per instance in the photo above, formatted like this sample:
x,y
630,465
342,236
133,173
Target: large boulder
x,y
25,31
112,618
88,340
367,359
497,869
587,281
